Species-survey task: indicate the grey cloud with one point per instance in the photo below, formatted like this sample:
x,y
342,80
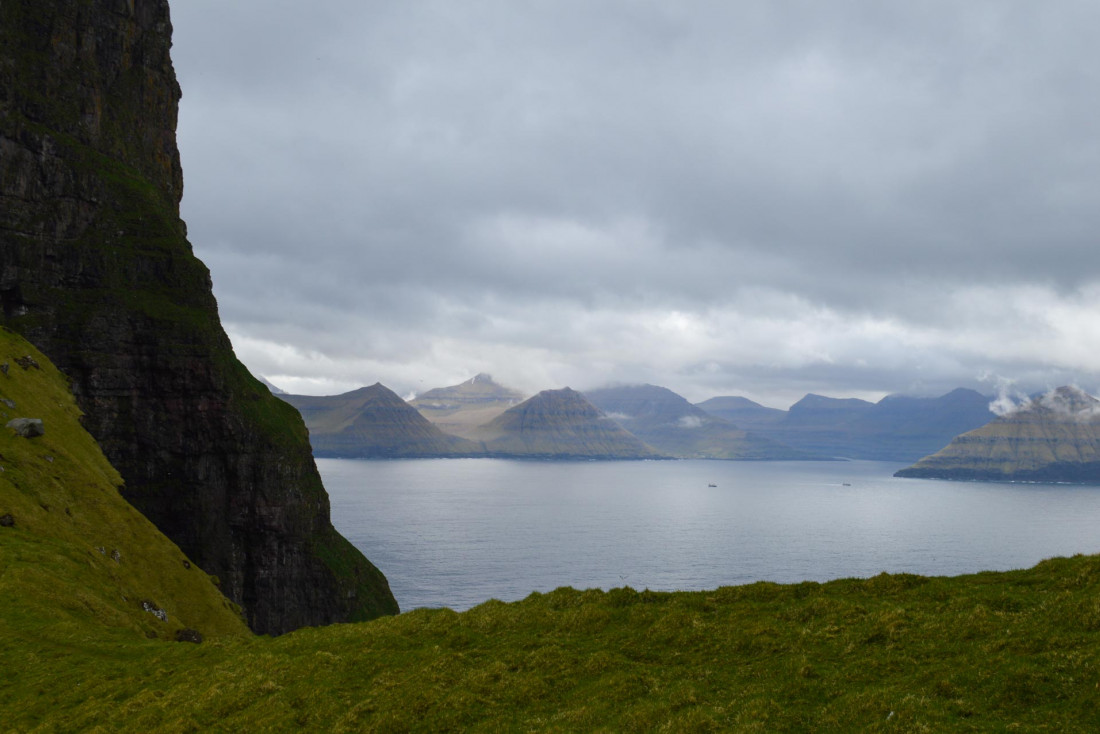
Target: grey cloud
x,y
371,177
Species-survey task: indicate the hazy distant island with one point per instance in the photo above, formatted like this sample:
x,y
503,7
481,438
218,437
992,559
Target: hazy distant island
x,y
1051,438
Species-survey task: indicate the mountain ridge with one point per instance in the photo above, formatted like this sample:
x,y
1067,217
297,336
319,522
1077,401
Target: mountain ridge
x,y
896,428
673,426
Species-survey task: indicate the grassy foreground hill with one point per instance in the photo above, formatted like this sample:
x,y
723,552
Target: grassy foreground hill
x,y
988,652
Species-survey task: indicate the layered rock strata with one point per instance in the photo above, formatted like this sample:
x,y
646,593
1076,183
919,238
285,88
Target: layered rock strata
x,y
1052,438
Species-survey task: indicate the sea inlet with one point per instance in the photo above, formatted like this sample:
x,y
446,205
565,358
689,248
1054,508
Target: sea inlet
x,y
458,532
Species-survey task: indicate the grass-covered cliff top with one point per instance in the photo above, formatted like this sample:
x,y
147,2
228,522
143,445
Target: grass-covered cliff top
x,y
892,653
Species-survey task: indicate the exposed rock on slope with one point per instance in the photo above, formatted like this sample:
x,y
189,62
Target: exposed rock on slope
x,y
1054,438
460,409
95,269
374,422
897,428
561,424
669,423
72,549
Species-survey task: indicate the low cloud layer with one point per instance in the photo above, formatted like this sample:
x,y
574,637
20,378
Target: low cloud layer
x,y
760,199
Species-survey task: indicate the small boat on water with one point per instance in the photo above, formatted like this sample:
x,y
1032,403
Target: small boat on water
x,y
712,485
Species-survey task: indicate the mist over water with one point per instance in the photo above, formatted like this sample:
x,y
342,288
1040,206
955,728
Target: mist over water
x,y
457,532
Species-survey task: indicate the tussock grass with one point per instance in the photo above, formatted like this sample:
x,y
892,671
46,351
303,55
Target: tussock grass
x,y
988,652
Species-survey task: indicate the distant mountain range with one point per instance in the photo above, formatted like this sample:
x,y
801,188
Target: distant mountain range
x,y
480,417
897,428
374,422
675,427
1053,438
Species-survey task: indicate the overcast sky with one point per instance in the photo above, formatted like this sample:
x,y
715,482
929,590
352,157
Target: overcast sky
x,y
724,198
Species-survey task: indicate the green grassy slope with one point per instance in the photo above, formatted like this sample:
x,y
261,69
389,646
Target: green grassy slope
x,y
987,652
79,560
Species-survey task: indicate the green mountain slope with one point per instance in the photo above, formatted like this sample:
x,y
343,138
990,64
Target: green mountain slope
x,y
374,422
1054,438
77,559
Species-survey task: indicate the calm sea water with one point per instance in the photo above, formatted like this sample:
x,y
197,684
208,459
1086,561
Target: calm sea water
x,y
457,532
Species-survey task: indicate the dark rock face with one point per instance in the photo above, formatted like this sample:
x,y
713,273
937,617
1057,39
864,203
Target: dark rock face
x,y
1054,438
372,423
96,270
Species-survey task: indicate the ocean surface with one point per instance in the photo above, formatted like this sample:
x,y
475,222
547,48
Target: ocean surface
x,y
457,532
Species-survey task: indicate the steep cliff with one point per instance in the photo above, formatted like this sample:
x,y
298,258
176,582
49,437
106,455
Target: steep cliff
x,y
1052,438
374,423
96,270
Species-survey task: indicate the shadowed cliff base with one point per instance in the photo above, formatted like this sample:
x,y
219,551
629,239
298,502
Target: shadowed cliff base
x,y
96,270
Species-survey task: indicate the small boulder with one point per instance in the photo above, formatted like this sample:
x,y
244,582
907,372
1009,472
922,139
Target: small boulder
x,y
188,635
7,521
27,362
153,609
27,427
